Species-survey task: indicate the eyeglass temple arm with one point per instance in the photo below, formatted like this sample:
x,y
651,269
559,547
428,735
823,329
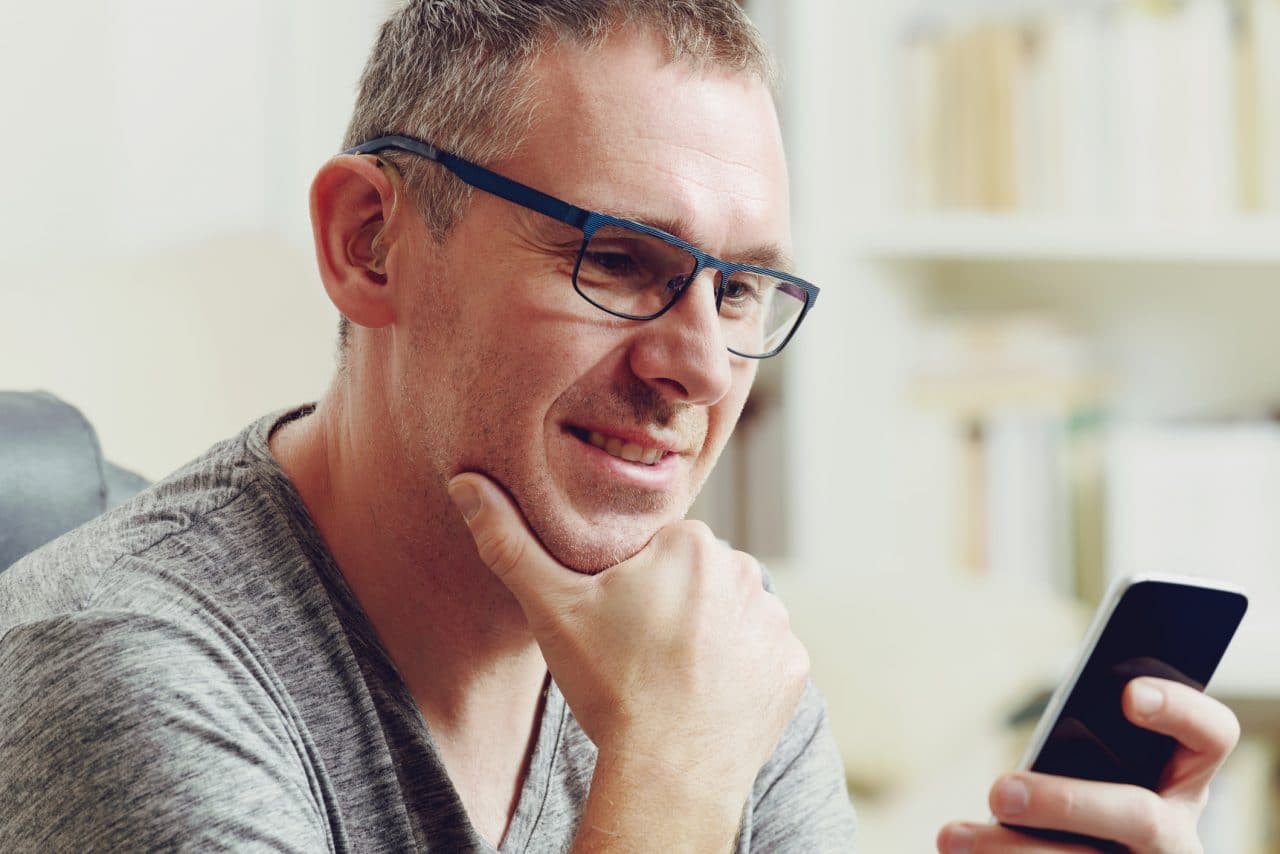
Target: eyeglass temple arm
x,y
480,178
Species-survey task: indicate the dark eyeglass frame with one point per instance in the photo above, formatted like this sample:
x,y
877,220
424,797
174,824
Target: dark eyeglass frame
x,y
588,222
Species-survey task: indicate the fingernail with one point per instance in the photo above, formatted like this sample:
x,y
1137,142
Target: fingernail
x,y
466,498
960,840
1012,797
1147,699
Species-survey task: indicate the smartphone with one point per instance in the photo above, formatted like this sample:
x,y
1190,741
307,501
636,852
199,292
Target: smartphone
x,y
1151,625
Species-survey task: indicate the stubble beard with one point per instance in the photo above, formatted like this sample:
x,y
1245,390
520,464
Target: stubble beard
x,y
628,517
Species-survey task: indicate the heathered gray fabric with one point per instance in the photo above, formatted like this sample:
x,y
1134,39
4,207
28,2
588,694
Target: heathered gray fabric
x,y
191,671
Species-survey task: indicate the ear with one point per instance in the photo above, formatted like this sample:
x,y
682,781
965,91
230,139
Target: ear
x,y
355,219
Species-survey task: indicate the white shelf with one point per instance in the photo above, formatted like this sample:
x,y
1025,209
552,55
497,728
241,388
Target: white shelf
x,y
974,236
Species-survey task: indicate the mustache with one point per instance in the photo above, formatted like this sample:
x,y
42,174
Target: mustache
x,y
647,404
650,406
640,403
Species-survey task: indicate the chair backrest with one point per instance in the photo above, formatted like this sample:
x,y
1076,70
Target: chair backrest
x,y
52,475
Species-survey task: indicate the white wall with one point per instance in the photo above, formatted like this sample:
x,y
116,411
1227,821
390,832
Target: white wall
x,y
154,235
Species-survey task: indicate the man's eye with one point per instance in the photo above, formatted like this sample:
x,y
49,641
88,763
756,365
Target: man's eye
x,y
612,263
742,291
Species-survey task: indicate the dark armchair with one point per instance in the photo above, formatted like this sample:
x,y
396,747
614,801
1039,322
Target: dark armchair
x,y
52,474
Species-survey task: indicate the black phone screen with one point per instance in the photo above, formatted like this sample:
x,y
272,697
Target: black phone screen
x,y
1159,628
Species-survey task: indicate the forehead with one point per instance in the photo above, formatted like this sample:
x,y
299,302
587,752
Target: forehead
x,y
619,128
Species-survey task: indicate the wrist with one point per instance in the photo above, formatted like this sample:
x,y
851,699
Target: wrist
x,y
645,802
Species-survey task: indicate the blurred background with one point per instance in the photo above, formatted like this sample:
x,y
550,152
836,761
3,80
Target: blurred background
x,y
1047,233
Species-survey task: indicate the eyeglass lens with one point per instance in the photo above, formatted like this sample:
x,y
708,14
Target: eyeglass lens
x,y
628,272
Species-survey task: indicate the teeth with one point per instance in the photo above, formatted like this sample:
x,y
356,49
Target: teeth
x,y
629,451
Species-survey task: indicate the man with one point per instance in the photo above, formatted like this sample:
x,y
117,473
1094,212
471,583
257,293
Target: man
x,y
454,606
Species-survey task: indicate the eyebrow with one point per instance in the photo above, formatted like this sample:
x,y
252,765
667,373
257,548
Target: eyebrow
x,y
769,255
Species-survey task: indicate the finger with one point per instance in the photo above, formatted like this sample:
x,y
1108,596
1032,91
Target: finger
x,y
969,838
1205,729
1129,815
751,567
505,543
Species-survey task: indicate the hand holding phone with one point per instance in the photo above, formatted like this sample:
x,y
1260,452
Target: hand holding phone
x,y
1163,626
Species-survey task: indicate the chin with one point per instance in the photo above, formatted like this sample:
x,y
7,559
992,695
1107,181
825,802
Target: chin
x,y
593,554
589,531
590,547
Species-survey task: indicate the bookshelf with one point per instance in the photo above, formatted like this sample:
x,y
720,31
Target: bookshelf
x,y
1174,303
1018,237
1164,267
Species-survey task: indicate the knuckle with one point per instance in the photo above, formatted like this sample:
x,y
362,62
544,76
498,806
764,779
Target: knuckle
x,y
1205,722
695,530
792,661
775,611
1230,731
1062,803
1200,800
1146,820
700,526
747,566
776,617
803,663
739,568
778,607
501,551
692,539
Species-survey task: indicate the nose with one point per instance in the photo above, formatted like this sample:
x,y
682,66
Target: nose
x,y
683,352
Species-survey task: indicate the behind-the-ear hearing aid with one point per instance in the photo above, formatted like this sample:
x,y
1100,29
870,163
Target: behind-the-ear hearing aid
x,y
378,251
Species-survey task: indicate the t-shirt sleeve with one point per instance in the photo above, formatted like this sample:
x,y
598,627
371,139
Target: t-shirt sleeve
x,y
800,801
121,731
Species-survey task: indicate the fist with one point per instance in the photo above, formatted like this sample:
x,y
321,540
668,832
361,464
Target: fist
x,y
677,654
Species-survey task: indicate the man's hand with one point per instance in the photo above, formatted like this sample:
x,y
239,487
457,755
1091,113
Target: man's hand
x,y
1141,821
677,663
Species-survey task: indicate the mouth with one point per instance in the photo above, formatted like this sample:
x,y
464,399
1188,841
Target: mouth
x,y
623,448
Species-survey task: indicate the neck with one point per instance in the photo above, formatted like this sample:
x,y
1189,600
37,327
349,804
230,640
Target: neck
x,y
457,636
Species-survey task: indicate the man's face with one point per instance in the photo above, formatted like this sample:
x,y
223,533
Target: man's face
x,y
503,368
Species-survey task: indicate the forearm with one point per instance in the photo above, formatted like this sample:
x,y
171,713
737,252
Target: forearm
x,y
641,803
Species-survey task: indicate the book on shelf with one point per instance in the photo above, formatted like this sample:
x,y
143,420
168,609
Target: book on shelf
x,y
1264,32
1150,112
1024,400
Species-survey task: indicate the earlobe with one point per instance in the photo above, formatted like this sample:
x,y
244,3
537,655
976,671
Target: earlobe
x,y
354,206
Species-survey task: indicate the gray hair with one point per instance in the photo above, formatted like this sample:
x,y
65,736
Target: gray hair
x,y
454,73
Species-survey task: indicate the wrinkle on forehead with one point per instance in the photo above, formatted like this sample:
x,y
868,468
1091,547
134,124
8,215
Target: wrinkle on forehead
x,y
702,153
742,189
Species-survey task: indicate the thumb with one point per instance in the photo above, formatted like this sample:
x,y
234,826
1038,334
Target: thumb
x,y
504,541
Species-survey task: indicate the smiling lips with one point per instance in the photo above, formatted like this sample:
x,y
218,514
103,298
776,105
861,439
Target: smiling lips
x,y
629,451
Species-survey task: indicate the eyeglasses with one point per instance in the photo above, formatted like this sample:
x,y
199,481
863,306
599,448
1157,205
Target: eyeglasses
x,y
634,271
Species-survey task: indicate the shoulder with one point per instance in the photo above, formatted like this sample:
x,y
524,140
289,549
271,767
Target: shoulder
x,y
126,730
227,507
107,655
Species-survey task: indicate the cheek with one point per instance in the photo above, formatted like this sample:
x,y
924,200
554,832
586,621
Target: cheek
x,y
725,414
515,374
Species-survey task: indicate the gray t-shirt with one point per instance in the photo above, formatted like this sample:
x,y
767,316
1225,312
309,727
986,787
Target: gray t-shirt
x,y
191,670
